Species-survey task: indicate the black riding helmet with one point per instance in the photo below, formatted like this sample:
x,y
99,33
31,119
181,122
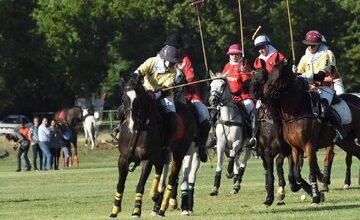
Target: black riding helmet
x,y
171,54
174,39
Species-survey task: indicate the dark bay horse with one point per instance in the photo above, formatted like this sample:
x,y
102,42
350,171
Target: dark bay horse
x,y
301,129
142,138
70,117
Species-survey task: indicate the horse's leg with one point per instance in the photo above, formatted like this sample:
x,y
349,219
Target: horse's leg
x,y
348,160
220,159
329,157
74,142
294,187
123,168
241,169
268,164
145,172
311,153
185,181
158,186
298,160
280,195
175,167
85,133
194,167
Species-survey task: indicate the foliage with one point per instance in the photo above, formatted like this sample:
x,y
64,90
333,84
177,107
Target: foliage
x,y
60,49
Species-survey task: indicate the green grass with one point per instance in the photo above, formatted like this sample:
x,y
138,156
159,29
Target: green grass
x,y
87,192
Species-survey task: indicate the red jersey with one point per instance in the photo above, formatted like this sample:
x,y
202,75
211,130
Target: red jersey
x,y
191,92
25,131
238,78
270,62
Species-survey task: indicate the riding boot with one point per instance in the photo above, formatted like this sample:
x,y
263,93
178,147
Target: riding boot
x,y
254,129
336,124
204,128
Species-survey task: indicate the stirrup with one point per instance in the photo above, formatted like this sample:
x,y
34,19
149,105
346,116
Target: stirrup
x,y
252,143
338,136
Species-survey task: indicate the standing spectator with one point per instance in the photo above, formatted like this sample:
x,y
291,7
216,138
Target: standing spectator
x,y
65,143
44,142
34,139
25,131
55,135
22,144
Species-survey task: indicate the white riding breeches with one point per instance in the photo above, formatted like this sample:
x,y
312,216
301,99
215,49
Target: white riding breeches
x,y
249,106
339,86
326,92
169,103
202,111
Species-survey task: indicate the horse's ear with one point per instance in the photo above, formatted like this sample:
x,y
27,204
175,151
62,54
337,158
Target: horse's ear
x,y
277,58
263,64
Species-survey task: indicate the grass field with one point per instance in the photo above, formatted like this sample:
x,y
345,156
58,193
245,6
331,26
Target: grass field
x,y
87,192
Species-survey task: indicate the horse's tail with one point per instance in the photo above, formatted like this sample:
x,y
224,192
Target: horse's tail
x,y
92,129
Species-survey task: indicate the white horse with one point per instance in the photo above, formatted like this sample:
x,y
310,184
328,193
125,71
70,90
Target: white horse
x,y
229,135
90,128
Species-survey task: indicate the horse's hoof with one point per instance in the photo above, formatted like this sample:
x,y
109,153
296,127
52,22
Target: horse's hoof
x,y
294,188
185,213
135,216
346,186
161,213
230,175
280,194
153,213
173,204
268,203
325,188
314,204
113,215
322,197
234,191
214,193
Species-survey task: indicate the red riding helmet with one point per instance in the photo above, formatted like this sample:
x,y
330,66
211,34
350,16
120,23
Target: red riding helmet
x,y
234,49
312,37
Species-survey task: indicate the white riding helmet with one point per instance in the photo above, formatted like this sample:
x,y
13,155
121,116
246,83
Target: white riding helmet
x,y
261,40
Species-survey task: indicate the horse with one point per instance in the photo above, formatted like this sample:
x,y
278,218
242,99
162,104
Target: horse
x,y
229,135
302,130
271,146
90,128
70,117
141,139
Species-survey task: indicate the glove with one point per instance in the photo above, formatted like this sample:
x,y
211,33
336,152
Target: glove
x,y
179,77
165,93
294,68
319,76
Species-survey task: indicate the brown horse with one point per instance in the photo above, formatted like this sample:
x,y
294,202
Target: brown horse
x,y
70,117
301,129
142,138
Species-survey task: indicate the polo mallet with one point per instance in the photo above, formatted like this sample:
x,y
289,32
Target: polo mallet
x,y
241,30
256,33
198,4
291,32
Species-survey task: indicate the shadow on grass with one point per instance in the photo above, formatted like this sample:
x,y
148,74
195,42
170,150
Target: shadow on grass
x,y
22,200
351,188
319,208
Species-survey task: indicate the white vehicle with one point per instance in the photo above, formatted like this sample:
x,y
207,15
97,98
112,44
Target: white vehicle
x,y
11,123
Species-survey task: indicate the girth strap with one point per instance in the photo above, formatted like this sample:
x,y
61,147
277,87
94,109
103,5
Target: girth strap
x,y
230,123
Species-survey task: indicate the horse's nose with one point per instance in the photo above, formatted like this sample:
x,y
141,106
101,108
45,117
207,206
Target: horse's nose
x,y
212,100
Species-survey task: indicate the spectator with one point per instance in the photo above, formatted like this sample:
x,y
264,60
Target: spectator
x,y
44,142
65,143
34,139
25,131
21,143
54,145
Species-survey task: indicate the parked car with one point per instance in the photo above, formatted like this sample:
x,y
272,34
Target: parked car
x,y
11,123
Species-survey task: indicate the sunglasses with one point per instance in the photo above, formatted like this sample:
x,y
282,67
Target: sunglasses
x,y
312,46
260,47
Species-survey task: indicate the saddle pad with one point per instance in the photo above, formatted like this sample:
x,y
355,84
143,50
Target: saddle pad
x,y
344,112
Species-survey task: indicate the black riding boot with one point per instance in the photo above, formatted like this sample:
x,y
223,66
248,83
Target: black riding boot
x,y
254,129
203,133
334,120
121,117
